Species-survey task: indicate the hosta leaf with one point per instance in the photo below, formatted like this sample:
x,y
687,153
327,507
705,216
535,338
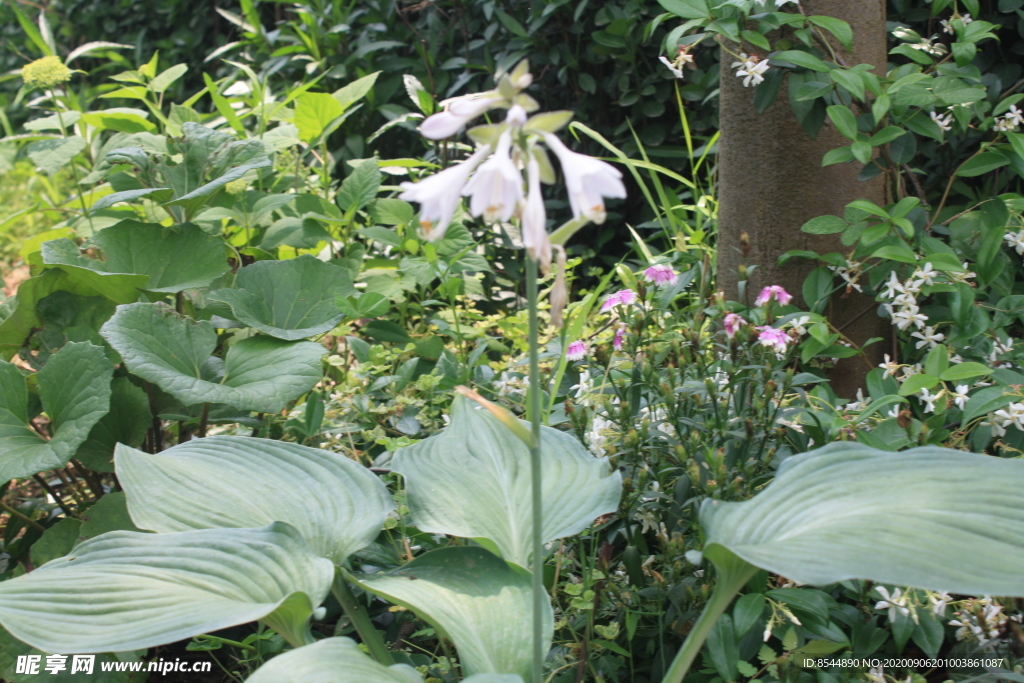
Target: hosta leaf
x,y
332,660
89,273
337,505
74,387
167,587
258,373
929,517
473,480
290,299
478,600
339,660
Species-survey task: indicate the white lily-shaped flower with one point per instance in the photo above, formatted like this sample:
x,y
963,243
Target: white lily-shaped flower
x,y
496,188
908,316
534,218
587,180
439,194
897,602
943,121
458,112
926,274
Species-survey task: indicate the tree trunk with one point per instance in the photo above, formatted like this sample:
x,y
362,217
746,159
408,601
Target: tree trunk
x,y
771,182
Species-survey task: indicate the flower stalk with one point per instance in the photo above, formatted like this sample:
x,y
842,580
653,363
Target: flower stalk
x,y
534,413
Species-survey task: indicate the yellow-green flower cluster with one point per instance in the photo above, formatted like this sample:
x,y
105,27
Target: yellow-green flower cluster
x,y
236,186
45,73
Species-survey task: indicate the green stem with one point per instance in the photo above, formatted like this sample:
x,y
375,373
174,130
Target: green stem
x,y
23,517
361,620
733,574
539,594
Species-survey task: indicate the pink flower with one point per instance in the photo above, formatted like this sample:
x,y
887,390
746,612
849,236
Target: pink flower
x,y
620,334
732,323
660,274
625,297
776,339
774,292
576,351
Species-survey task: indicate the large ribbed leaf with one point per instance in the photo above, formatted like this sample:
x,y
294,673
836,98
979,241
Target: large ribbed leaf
x,y
290,299
928,517
127,590
234,481
478,600
339,660
473,480
74,387
143,255
258,373
332,660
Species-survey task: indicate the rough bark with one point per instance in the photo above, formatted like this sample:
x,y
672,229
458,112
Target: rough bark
x,y
771,182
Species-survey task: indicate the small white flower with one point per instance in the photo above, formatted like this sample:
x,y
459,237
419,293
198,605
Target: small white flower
x,y
587,180
890,366
926,274
929,400
897,602
943,121
860,404
751,71
929,337
799,325
908,316
960,397
1016,240
893,286
678,73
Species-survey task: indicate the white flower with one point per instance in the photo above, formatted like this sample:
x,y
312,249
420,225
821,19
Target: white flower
x,y
908,316
929,337
897,602
904,300
799,325
890,366
860,404
749,70
926,274
438,195
1013,414
678,73
892,286
960,397
587,180
1016,240
459,112
597,436
534,218
929,400
943,121
1010,120
876,675
496,188
939,602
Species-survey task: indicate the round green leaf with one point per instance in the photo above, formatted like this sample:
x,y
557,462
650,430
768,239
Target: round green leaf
x,y
337,505
929,517
473,480
175,258
258,373
478,600
128,590
290,299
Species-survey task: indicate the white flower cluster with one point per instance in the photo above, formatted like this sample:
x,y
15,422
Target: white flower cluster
x,y
943,121
984,624
750,69
1009,121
